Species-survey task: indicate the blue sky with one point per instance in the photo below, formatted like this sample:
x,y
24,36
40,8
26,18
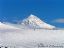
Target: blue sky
x,y
51,11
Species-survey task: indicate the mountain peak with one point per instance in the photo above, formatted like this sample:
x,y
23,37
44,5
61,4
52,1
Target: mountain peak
x,y
34,22
32,16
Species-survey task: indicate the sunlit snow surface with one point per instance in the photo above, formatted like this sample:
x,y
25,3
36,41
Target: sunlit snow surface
x,y
30,38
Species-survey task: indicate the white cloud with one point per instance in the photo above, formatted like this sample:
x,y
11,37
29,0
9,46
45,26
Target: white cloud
x,y
61,20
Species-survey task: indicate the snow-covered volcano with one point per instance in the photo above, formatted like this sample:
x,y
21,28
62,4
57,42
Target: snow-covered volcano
x,y
34,22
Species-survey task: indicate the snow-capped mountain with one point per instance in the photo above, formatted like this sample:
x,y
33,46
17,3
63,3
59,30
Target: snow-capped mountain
x,y
11,37
34,22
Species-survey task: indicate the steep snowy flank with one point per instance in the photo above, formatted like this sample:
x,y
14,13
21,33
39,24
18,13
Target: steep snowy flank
x,y
34,22
5,26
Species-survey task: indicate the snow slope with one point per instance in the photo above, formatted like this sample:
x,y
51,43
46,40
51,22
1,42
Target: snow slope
x,y
34,22
5,26
31,38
